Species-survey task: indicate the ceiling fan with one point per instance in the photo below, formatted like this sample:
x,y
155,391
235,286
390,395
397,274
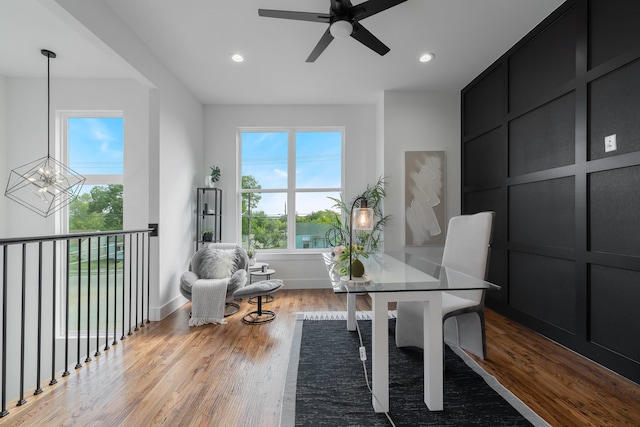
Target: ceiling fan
x,y
343,19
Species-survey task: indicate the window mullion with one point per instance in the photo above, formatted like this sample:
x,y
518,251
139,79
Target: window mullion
x,y
291,192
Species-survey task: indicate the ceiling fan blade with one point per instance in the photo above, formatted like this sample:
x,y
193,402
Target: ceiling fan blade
x,y
371,7
321,46
298,16
341,5
366,38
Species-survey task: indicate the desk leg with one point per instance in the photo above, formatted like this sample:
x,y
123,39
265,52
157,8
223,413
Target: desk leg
x,y
380,353
433,363
351,312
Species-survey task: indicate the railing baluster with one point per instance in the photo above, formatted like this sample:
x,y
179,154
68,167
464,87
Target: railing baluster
x,y
115,290
66,315
97,353
38,389
148,281
124,256
19,359
88,358
5,286
130,279
142,290
137,275
79,300
106,320
54,304
23,319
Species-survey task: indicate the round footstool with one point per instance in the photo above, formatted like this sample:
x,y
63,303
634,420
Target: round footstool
x,y
258,290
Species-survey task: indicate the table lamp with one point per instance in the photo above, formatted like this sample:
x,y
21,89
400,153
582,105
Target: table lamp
x,y
361,219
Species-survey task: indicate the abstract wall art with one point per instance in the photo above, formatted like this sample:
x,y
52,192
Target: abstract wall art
x,y
424,195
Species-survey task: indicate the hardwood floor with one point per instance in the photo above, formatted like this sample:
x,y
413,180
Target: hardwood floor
x,y
171,375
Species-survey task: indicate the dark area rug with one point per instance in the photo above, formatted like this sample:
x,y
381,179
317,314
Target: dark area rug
x,y
326,385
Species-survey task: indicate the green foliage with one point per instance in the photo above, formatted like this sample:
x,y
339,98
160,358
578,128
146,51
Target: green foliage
x,y
369,240
343,258
320,217
100,209
215,173
250,201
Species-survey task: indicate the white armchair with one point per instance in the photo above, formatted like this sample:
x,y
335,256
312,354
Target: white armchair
x,y
466,249
230,271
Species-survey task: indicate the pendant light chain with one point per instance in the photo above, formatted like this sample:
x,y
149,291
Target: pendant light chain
x,y
48,107
49,55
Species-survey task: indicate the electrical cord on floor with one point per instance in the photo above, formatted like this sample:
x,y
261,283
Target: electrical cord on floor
x,y
363,358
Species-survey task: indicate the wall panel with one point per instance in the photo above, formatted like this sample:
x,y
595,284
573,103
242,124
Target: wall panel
x,y
543,213
543,63
544,138
614,102
484,103
483,158
568,247
614,314
544,288
613,30
614,222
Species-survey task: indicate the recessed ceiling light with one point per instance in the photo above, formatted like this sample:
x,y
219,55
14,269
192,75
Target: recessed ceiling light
x,y
236,57
426,57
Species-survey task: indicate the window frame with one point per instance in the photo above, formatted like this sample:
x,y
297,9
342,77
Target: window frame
x,y
291,189
61,149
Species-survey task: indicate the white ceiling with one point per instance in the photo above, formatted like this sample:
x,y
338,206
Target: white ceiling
x,y
195,39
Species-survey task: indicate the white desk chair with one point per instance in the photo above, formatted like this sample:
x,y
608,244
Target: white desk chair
x,y
466,249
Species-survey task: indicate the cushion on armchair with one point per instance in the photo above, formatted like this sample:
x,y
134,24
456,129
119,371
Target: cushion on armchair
x,y
210,263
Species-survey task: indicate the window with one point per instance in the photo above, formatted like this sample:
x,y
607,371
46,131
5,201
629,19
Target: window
x,y
93,144
287,179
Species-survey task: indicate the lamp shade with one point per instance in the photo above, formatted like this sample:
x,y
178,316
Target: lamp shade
x,y
341,29
363,218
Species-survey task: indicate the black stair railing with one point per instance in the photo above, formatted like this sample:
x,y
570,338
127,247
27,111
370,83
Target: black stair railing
x,y
84,284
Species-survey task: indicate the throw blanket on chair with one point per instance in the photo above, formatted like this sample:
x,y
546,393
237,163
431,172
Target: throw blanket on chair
x,y
207,301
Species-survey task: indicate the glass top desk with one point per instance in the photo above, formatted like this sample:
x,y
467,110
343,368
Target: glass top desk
x,y
395,277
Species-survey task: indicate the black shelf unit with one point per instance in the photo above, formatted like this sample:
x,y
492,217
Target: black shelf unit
x,y
208,215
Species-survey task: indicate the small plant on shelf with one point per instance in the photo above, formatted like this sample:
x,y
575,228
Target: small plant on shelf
x,y
207,235
215,173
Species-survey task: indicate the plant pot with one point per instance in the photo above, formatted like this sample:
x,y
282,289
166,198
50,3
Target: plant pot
x,y
357,268
207,237
209,182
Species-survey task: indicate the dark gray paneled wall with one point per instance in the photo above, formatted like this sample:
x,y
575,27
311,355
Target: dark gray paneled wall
x,y
567,237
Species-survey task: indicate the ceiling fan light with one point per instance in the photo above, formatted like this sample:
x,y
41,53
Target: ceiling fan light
x,y
236,57
341,29
426,57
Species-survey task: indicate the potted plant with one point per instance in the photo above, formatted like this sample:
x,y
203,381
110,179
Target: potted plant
x,y
338,232
207,235
214,176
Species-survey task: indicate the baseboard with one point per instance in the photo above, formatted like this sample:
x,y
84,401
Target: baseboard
x,y
159,313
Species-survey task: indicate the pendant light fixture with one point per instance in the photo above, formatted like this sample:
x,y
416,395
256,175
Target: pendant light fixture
x,y
44,185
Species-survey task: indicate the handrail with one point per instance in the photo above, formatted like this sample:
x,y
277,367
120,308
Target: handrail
x,y
31,239
90,289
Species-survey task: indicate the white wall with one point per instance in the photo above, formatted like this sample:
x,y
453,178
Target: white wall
x,y
399,122
175,152
221,123
416,121
27,138
3,153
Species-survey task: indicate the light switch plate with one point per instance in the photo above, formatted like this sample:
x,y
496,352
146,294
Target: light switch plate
x,y
610,143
